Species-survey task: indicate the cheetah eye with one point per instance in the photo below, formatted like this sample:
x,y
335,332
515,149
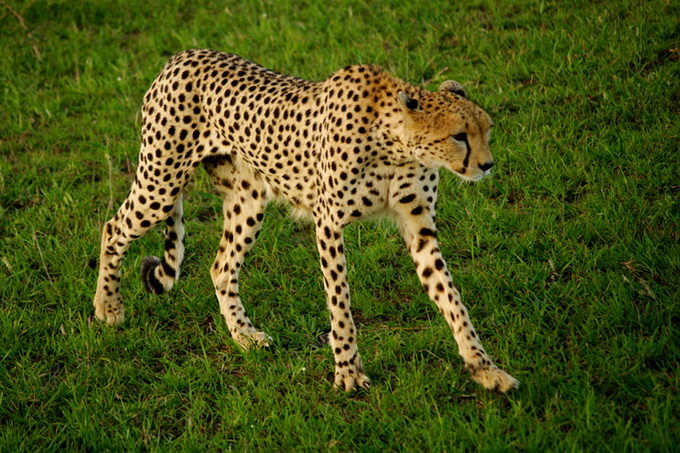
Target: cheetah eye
x,y
462,137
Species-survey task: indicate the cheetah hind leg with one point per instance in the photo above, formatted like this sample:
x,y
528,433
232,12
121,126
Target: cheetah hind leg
x,y
243,209
118,234
493,378
158,276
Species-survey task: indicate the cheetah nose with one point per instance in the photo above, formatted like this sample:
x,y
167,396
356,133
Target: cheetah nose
x,y
486,166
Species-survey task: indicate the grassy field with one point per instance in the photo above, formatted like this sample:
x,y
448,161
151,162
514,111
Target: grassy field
x,y
568,256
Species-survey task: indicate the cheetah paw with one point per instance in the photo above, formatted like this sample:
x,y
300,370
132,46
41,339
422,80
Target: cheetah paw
x,y
254,339
493,378
110,312
349,375
350,382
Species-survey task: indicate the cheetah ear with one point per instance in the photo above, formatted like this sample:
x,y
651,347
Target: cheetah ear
x,y
409,102
453,87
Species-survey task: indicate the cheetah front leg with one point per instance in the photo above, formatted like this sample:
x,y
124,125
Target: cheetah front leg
x,y
349,372
420,235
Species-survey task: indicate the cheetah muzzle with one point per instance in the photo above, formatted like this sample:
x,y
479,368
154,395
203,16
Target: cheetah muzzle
x,y
358,144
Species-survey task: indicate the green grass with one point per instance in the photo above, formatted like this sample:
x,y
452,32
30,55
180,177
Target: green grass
x,y
568,256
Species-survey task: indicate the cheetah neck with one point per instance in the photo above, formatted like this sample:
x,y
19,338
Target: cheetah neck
x,y
390,125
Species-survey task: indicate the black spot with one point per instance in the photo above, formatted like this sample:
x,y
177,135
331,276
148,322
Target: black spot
x,y
428,232
407,198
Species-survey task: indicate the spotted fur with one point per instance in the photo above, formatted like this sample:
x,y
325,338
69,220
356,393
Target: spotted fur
x,y
358,144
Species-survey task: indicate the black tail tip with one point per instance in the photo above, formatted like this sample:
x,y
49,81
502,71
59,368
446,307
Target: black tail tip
x,y
151,283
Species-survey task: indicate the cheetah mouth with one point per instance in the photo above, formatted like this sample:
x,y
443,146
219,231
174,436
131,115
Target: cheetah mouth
x,y
465,176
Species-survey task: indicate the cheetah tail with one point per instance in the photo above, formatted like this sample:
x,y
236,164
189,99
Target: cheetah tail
x,y
158,276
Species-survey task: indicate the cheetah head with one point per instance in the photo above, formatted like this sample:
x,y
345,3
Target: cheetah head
x,y
445,129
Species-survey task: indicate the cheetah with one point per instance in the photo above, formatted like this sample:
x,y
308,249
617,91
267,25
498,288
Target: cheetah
x,y
359,144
